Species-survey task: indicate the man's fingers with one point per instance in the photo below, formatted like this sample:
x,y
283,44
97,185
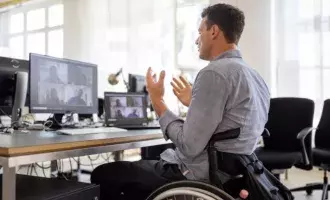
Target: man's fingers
x,y
175,87
161,77
184,81
178,83
149,75
175,93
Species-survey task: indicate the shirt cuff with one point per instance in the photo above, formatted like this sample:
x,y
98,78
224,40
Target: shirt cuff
x,y
165,120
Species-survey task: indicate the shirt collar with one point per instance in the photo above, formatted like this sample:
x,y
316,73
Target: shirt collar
x,y
233,53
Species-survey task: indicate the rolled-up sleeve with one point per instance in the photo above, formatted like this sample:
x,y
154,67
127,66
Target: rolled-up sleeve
x,y
209,96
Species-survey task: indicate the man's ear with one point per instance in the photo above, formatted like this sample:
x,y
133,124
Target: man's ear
x,y
215,31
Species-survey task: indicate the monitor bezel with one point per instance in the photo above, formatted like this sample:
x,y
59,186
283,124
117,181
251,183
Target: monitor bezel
x,y
66,109
127,121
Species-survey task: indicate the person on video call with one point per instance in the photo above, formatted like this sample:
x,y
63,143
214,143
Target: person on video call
x,y
227,94
119,114
118,103
77,99
53,76
53,99
133,114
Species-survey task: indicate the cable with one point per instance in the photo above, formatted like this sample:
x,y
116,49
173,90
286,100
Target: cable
x,y
70,166
97,157
3,112
35,169
43,167
27,171
87,165
43,170
107,158
62,170
46,127
91,162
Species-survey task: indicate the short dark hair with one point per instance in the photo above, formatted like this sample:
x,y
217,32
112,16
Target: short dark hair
x,y
228,18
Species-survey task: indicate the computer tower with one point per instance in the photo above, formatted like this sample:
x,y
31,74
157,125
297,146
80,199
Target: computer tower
x,y
39,188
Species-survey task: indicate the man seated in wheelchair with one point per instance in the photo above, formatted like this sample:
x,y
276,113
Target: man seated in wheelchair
x,y
227,94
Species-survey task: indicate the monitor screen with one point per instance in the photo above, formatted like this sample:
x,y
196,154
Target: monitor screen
x,y
62,86
125,108
8,68
136,83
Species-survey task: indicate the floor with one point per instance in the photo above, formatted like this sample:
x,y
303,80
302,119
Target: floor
x,y
296,177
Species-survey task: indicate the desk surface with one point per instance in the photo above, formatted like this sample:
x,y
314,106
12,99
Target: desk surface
x,y
36,142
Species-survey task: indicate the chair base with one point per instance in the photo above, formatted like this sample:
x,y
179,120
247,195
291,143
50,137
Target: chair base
x,y
316,186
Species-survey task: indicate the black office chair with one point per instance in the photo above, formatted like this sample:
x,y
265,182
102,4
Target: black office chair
x,y
289,122
321,152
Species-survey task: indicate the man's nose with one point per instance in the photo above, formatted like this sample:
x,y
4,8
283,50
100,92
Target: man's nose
x,y
197,41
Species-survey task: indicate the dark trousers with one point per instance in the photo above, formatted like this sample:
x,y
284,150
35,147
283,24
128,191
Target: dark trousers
x,y
133,180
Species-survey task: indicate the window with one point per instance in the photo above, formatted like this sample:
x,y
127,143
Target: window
x,y
16,47
55,17
36,19
36,28
187,20
17,23
303,49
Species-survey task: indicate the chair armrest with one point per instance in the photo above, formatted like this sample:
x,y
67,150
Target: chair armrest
x,y
301,136
230,134
265,133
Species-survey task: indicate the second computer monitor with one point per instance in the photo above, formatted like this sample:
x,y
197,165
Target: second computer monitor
x,y
137,83
62,86
10,82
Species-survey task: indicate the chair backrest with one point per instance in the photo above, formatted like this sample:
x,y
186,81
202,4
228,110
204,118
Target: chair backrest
x,y
286,118
322,134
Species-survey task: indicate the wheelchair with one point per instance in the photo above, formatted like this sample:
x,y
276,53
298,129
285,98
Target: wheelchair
x,y
195,190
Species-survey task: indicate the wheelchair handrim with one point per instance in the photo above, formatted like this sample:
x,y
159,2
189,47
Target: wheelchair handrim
x,y
205,195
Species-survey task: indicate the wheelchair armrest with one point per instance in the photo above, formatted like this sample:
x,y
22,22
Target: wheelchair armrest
x,y
266,133
301,136
230,134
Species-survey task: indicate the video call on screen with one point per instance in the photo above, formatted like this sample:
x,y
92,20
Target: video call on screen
x,y
67,84
126,107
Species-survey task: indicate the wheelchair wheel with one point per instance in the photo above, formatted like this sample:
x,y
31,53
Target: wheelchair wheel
x,y
189,190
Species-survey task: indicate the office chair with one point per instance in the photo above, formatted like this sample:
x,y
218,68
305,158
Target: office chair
x,y
289,122
321,152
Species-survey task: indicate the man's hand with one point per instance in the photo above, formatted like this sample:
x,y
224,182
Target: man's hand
x,y
155,88
182,89
156,91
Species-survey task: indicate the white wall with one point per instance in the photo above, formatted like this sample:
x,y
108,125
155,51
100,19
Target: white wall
x,y
255,42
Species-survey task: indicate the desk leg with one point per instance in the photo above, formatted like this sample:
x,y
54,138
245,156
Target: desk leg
x,y
9,183
118,155
53,169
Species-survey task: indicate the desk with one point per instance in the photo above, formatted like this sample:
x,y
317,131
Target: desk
x,y
37,146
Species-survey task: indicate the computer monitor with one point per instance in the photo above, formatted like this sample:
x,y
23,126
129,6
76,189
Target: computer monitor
x,y
136,83
125,108
13,86
62,86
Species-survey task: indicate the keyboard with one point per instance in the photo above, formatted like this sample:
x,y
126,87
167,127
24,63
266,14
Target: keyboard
x,y
136,127
84,131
